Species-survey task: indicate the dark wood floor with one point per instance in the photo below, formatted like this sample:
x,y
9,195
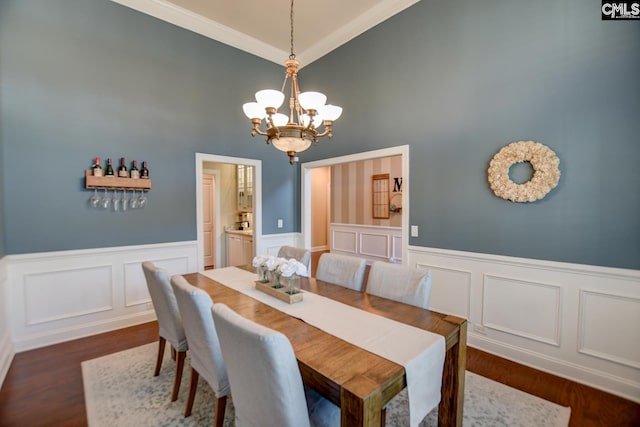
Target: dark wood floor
x,y
44,386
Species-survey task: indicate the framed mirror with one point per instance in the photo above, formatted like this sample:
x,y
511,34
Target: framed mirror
x,y
380,196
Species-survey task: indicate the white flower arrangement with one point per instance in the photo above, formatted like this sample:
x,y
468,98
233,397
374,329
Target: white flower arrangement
x,y
546,171
279,267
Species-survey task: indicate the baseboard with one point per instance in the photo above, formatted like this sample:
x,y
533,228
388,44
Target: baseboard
x,y
597,379
320,248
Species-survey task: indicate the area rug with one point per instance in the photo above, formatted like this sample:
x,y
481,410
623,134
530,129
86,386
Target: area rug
x,y
121,391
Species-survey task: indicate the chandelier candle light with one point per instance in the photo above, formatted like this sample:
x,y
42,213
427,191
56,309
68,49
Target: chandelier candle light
x,y
307,112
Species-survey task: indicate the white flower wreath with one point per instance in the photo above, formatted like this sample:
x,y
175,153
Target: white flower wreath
x,y
544,162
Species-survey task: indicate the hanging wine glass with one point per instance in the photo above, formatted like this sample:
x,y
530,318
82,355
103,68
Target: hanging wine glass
x,y
133,201
106,200
116,201
142,200
94,201
125,201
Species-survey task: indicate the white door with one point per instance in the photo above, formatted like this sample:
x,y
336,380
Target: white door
x,y
208,219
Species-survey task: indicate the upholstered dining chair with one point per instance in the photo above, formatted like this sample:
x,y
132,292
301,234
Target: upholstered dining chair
x,y
265,377
343,270
169,321
400,283
206,357
299,254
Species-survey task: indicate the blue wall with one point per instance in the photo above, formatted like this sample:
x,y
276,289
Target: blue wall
x,y
94,78
457,80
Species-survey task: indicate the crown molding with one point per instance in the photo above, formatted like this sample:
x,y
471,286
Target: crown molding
x,y
169,12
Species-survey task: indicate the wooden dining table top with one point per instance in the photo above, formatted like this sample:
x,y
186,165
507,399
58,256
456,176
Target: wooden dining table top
x,y
358,381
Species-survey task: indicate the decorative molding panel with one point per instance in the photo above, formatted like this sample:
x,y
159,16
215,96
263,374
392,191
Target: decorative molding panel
x,y
62,294
272,242
58,296
527,309
450,290
135,284
605,318
375,243
580,322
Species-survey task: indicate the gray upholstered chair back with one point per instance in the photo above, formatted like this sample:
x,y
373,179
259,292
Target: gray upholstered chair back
x,y
400,283
343,270
264,376
165,306
299,254
206,356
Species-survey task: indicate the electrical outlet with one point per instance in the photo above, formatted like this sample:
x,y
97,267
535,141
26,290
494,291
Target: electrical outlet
x,y
280,223
414,231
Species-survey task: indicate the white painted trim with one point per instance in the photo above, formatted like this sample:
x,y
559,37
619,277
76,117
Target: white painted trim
x,y
257,201
169,12
401,150
7,351
72,321
593,270
562,355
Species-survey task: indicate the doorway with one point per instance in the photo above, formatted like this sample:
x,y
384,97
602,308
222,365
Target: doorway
x,y
306,176
201,160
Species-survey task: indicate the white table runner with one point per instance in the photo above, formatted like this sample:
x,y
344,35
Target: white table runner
x,y
420,352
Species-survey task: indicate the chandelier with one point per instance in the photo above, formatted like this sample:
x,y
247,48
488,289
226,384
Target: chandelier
x,y
308,113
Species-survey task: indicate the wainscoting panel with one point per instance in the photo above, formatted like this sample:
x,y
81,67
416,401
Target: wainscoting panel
x,y
58,296
527,309
450,290
135,285
73,292
344,241
271,243
604,320
375,243
6,344
576,321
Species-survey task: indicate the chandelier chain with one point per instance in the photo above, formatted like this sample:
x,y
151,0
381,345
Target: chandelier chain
x,y
292,55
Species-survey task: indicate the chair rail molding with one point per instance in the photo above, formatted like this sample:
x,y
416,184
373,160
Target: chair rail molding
x,y
580,322
54,297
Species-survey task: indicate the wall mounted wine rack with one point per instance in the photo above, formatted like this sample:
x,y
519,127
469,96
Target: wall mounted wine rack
x,y
114,182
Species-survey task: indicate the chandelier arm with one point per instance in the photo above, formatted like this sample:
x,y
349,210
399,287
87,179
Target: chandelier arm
x,y
327,130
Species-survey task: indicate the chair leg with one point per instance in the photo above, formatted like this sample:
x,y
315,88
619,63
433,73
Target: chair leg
x,y
161,343
383,417
193,386
173,354
221,405
178,379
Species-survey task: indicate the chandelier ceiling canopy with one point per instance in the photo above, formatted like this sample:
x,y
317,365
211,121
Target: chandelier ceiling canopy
x,y
308,113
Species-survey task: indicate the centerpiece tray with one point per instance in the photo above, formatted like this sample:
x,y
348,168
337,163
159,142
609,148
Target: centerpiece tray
x,y
280,293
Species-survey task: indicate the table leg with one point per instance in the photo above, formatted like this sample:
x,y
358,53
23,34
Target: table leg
x,y
452,403
360,402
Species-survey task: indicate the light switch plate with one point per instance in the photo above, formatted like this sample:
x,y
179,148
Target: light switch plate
x,y
280,223
414,231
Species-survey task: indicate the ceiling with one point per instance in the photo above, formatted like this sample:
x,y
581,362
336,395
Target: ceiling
x,y
262,28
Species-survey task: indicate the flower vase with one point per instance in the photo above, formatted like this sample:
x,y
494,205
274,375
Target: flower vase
x,y
263,274
275,280
292,285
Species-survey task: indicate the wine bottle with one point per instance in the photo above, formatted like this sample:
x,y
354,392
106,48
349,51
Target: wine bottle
x,y
144,172
97,169
122,170
109,171
134,172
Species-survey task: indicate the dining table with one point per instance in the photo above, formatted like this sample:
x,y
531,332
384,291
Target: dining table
x,y
360,382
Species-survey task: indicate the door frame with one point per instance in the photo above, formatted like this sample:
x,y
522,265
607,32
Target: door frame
x,y
257,202
305,174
